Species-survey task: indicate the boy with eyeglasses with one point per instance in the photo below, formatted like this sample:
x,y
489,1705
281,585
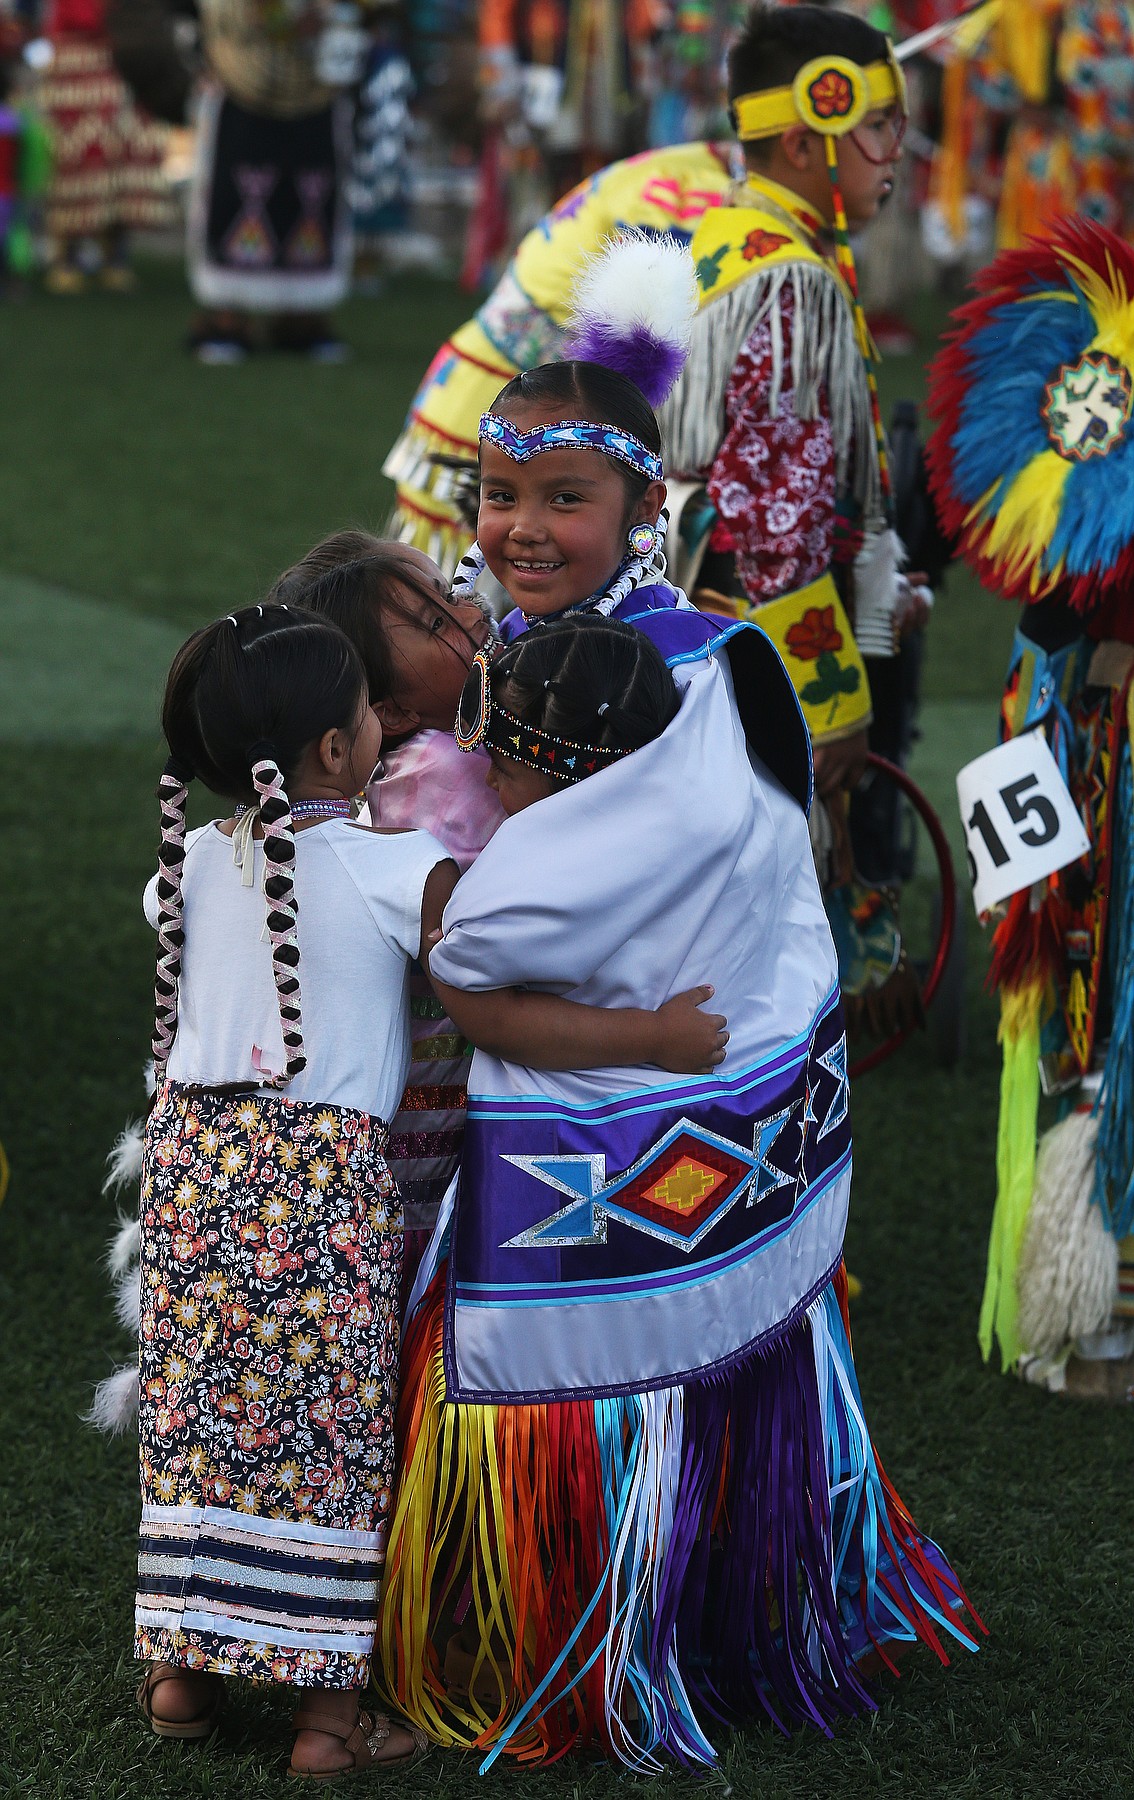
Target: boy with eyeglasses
x,y
776,417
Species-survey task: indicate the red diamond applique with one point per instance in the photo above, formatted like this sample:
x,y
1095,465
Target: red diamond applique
x,y
683,1186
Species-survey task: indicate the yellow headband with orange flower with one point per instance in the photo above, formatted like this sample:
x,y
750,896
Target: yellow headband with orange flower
x,y
830,94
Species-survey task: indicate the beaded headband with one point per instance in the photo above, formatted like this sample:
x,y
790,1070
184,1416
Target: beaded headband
x,y
830,94
480,721
570,434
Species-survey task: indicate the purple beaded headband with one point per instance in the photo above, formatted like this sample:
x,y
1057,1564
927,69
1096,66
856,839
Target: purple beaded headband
x,y
570,434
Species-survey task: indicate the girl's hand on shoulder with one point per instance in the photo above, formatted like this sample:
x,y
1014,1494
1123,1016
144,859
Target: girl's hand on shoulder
x,y
690,1042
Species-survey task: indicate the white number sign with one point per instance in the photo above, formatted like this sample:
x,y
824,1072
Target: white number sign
x,y
1020,821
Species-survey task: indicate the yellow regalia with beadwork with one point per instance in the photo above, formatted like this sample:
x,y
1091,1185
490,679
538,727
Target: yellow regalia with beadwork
x,y
749,252
523,323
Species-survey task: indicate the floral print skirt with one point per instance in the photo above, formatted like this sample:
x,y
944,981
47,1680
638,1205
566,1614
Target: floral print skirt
x,y
271,1260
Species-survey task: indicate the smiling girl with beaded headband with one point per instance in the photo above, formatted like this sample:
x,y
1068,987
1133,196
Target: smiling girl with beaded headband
x,y
571,489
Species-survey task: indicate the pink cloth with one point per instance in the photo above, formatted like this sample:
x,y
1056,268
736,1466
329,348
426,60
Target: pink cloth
x,y
426,781
428,778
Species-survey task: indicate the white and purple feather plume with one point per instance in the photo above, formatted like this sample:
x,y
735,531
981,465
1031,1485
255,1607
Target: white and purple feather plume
x,y
632,311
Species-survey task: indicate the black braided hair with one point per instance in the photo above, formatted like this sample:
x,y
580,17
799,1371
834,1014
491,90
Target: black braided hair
x,y
588,679
587,390
283,906
172,792
246,697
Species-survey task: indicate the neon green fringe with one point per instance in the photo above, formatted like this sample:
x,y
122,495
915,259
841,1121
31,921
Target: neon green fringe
x,y
1015,1168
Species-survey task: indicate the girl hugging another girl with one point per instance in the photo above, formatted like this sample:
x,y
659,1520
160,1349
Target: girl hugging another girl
x,y
271,1231
417,643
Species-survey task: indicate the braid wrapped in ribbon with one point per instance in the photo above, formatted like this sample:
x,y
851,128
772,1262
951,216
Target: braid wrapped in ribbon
x,y
173,791
279,891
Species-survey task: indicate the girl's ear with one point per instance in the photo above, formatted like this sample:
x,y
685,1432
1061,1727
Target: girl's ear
x,y
333,750
649,506
395,720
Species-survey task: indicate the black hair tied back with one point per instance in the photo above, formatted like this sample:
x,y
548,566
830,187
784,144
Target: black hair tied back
x,y
245,699
588,680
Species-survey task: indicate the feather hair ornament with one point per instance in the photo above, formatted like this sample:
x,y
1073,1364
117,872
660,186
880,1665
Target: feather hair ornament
x,y
1032,459
632,311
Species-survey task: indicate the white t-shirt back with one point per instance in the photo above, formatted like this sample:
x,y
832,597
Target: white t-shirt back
x,y
359,899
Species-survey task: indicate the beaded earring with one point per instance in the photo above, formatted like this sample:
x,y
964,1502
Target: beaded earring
x,y
643,540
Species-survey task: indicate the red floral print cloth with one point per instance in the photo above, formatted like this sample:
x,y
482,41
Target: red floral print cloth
x,y
773,480
271,1256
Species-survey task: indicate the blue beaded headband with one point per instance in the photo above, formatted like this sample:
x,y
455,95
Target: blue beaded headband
x,y
570,434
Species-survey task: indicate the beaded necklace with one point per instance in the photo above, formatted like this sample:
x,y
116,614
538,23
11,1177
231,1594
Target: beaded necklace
x,y
311,809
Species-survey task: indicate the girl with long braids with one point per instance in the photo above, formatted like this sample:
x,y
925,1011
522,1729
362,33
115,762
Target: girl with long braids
x,y
270,1241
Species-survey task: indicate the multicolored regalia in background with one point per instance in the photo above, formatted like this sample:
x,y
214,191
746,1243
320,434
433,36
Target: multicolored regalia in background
x,y
1032,462
638,1493
106,153
269,227
523,322
1040,119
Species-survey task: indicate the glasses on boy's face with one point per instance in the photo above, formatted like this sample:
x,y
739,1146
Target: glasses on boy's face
x,y
879,139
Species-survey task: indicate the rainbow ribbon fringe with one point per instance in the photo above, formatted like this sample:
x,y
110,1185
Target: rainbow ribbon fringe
x,y
627,1573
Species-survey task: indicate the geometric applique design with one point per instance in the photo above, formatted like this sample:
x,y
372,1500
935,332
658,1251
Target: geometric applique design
x,y
1086,405
834,1061
250,242
769,1177
677,1191
308,246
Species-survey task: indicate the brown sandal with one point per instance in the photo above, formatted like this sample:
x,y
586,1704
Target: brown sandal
x,y
364,1740
202,1726
457,1675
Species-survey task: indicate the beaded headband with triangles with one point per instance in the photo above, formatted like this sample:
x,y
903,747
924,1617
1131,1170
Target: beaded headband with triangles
x,y
481,720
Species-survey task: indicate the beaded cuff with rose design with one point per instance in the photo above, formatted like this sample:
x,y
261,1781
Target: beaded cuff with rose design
x,y
813,635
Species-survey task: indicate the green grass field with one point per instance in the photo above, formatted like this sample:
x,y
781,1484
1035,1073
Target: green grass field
x,y
140,495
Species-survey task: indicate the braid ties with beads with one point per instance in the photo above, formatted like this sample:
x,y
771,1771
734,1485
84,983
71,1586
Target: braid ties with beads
x,y
173,792
279,891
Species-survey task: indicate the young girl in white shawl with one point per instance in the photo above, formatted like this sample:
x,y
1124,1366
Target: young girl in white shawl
x,y
638,1494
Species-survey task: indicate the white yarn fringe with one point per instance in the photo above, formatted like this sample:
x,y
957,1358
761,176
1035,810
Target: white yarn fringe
x,y
825,360
124,1162
115,1403
635,282
876,592
128,1299
1067,1280
124,1245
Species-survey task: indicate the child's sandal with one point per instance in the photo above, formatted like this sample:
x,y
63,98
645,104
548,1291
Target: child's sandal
x,y
463,1687
202,1726
364,1740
